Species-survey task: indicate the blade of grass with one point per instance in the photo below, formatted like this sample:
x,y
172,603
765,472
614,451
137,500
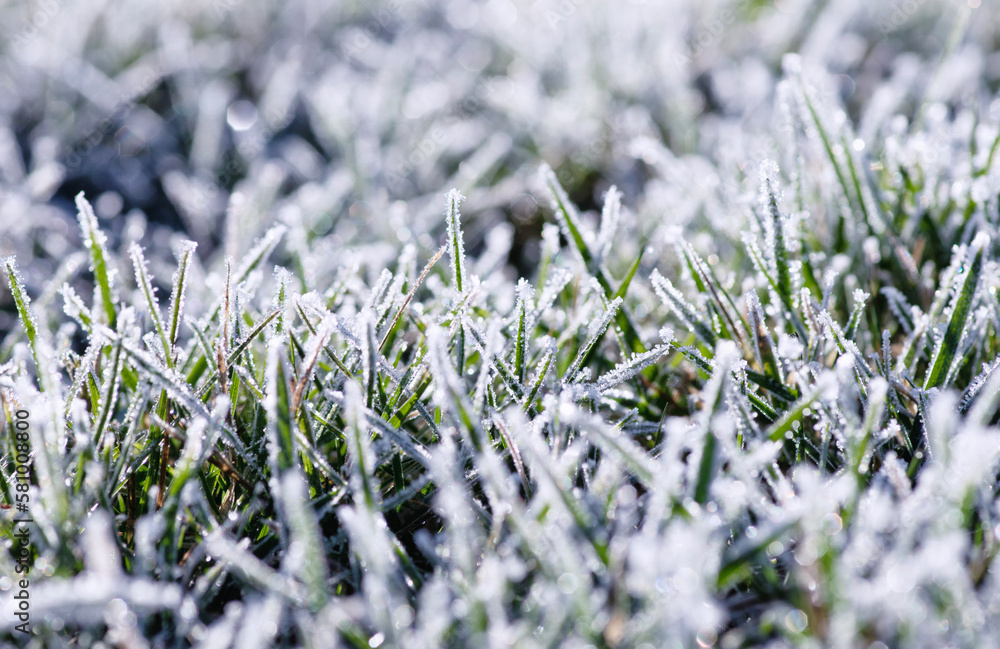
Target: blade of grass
x,y
95,241
945,351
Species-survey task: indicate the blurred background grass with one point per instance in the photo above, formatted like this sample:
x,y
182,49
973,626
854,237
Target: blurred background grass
x,y
212,120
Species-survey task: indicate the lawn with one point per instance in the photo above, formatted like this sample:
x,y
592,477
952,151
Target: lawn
x,y
499,324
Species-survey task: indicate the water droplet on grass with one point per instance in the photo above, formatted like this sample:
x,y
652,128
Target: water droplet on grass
x,y
241,115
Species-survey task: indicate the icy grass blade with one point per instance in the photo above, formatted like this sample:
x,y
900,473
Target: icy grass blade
x,y
860,301
551,474
543,369
409,296
706,283
74,307
456,243
305,557
558,279
174,384
962,305
594,334
777,249
111,385
763,344
282,279
628,369
280,442
400,438
615,442
261,623
877,391
180,279
983,395
320,338
251,569
362,456
567,217
80,375
854,198
569,222
369,357
847,348
241,347
900,308
610,218
377,295
23,304
524,296
686,312
46,440
449,393
261,250
494,359
781,427
726,355
456,249
789,308
142,280
95,241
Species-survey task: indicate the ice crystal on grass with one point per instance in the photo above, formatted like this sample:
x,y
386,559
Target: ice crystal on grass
x,y
689,358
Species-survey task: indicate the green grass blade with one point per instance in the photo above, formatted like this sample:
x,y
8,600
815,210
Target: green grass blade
x,y
524,295
180,280
23,304
145,285
945,352
95,241
456,243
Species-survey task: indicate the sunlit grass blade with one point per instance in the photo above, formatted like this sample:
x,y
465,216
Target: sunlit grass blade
x,y
944,353
23,304
95,241
180,280
594,334
685,311
148,291
524,296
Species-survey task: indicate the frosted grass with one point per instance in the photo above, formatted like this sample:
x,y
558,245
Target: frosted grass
x,y
703,354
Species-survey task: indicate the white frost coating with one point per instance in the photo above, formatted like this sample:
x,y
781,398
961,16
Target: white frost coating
x,y
594,333
569,524
610,217
305,558
627,369
73,305
789,347
92,233
674,299
101,557
260,624
16,285
456,242
179,281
